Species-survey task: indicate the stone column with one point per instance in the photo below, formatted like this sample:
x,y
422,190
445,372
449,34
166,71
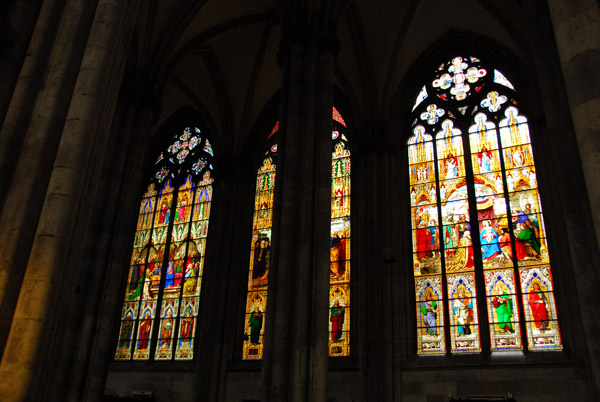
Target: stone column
x,y
221,299
577,33
578,40
296,353
36,329
92,342
380,288
31,133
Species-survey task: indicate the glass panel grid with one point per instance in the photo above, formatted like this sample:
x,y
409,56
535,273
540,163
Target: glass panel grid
x,y
260,251
339,272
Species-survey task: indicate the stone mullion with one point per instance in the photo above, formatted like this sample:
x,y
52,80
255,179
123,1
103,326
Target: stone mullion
x,y
35,326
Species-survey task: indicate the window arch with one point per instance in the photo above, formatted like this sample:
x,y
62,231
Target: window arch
x,y
160,310
480,257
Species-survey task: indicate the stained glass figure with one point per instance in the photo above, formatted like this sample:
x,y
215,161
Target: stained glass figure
x,y
430,315
503,310
540,309
464,325
475,205
165,274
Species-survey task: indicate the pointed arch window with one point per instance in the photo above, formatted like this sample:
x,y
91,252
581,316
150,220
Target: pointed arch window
x,y
160,310
260,251
481,262
339,288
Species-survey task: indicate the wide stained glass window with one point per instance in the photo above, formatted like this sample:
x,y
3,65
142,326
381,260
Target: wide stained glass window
x,y
160,310
339,272
481,262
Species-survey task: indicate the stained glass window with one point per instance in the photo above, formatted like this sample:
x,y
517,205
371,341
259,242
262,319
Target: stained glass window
x,y
260,252
160,310
481,262
339,272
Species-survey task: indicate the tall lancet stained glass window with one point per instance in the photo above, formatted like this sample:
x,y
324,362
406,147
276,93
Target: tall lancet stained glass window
x,y
260,252
481,262
160,310
339,273
339,295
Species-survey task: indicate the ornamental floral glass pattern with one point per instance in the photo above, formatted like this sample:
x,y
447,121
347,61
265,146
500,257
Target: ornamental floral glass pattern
x,y
339,272
477,217
260,254
160,311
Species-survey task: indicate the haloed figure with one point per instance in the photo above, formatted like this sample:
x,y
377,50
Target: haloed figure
x,y
463,312
538,303
145,327
337,321
336,251
429,311
166,331
255,323
502,304
261,259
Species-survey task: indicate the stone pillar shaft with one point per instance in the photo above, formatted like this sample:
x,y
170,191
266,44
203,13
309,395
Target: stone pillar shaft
x,y
30,136
101,289
36,328
578,41
296,353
